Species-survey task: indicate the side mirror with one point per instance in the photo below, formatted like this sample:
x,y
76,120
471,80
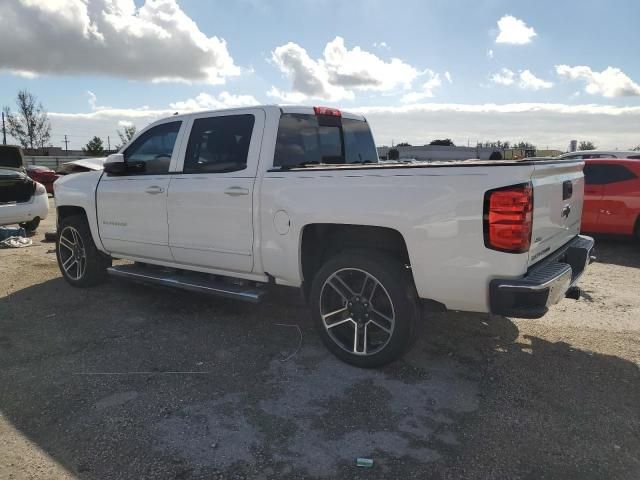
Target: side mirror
x,y
115,164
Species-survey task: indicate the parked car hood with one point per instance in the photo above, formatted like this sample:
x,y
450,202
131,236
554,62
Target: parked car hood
x,y
84,165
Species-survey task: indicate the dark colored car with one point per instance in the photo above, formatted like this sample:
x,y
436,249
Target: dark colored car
x,y
43,175
612,196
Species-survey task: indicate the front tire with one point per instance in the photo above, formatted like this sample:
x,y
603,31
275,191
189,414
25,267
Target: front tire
x,y
364,306
31,225
80,261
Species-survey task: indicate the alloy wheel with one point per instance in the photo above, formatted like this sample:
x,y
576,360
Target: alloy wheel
x,y
357,311
73,257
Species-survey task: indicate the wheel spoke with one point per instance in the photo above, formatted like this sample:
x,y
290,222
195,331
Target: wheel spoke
x,y
335,312
379,326
356,339
364,285
339,286
340,322
81,264
373,290
76,237
68,263
389,320
64,241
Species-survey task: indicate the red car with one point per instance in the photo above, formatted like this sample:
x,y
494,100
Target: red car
x,y
612,196
43,175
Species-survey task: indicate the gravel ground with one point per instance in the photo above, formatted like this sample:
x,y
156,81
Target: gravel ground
x,y
125,381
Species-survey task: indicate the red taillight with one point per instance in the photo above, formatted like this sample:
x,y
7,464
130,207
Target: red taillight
x,y
334,112
508,218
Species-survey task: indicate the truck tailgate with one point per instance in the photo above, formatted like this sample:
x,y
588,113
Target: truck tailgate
x,y
558,191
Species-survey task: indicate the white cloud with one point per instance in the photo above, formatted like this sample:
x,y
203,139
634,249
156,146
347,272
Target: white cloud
x,y
526,79
432,83
611,82
381,45
544,124
512,30
205,101
24,74
340,72
157,41
529,81
489,53
447,75
503,77
286,97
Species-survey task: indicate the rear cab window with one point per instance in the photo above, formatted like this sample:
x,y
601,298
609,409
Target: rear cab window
x,y
307,139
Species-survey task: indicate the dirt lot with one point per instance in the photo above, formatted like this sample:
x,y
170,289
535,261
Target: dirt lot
x,y
133,382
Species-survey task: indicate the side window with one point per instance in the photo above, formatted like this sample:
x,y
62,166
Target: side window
x,y
150,153
297,140
600,174
219,144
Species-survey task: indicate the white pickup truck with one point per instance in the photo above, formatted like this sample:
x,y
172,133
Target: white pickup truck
x,y
224,202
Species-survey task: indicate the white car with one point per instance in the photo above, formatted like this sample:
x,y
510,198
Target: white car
x,y
582,154
225,202
22,200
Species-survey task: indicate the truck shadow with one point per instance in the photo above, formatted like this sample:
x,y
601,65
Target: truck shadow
x,y
621,251
124,381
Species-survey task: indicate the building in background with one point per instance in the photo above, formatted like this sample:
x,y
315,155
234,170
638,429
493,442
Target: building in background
x,y
434,153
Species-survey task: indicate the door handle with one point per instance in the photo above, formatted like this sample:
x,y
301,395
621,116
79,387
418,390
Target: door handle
x,y
236,191
154,190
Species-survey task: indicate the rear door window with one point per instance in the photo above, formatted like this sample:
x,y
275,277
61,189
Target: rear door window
x,y
219,144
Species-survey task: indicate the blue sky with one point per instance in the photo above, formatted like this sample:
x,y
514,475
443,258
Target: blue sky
x,y
447,54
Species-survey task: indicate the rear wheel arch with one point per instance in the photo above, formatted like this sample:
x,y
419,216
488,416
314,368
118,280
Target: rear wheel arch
x,y
321,241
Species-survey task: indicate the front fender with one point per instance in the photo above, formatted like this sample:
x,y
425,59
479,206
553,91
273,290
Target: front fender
x,y
79,190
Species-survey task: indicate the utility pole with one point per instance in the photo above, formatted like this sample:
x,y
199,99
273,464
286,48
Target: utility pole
x,y
66,145
108,143
4,132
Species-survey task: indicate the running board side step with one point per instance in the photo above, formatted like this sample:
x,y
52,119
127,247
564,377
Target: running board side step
x,y
186,280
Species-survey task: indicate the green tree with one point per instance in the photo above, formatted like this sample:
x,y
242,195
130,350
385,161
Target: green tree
x,y
128,132
445,142
586,145
94,147
523,145
636,148
30,125
403,144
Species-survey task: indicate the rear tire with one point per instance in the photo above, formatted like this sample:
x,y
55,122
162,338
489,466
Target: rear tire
x,y
31,225
80,261
364,306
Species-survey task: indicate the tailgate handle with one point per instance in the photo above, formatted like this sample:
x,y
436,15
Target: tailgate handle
x,y
567,189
